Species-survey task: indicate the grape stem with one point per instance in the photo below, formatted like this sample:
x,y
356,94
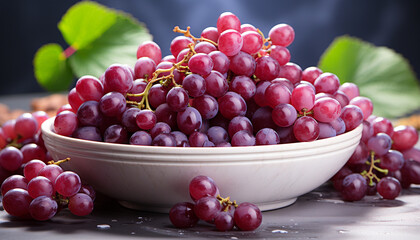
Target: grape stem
x,y
58,162
165,80
370,174
68,52
266,41
169,79
226,203
187,33
305,112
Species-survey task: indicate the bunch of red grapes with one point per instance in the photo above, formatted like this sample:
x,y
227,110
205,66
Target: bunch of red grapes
x,y
209,206
33,185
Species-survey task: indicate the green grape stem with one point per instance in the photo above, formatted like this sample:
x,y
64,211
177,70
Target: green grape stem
x,y
168,79
59,161
226,203
370,174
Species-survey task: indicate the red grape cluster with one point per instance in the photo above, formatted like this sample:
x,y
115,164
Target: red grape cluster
x,y
21,141
33,186
384,162
234,87
210,207
229,87
43,190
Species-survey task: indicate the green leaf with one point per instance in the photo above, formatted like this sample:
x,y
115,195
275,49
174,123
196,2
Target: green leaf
x,y
84,22
117,45
381,74
51,68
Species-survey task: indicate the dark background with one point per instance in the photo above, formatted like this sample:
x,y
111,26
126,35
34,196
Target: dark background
x,y
27,25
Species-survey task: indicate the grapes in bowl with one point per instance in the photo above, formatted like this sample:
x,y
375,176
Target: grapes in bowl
x,y
154,178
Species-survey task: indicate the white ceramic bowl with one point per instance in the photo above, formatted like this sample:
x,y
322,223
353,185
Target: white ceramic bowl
x,y
155,178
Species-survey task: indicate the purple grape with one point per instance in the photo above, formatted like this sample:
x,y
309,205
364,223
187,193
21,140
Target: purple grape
x,y
197,139
244,86
180,138
354,187
389,188
89,114
160,127
267,136
165,114
165,140
267,68
231,105
204,47
141,138
65,123
88,133
242,64
217,135
11,158
177,99
146,119
118,79
12,182
380,144
182,215
247,216
221,62
284,115
144,68
202,186
16,202
189,120
43,208
206,208
80,204
243,138
200,63
112,104
216,84
306,129
128,119
116,134
89,88
206,105
195,85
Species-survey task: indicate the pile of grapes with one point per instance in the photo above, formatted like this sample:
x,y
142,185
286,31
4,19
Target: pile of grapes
x,y
232,86
33,185
209,206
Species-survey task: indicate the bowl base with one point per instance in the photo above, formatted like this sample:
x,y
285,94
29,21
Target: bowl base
x,y
262,206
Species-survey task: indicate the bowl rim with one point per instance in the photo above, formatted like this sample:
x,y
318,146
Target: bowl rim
x,y
47,131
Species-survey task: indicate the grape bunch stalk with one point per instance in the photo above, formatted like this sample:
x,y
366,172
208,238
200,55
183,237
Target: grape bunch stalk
x,y
209,206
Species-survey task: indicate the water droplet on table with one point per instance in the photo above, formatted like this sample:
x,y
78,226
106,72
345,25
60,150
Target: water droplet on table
x,y
103,226
279,231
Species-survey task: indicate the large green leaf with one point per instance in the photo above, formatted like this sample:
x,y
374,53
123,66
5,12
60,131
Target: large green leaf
x,y
98,37
381,74
51,68
117,45
84,22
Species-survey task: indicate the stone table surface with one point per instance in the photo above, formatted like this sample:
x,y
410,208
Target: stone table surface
x,y
320,214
